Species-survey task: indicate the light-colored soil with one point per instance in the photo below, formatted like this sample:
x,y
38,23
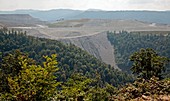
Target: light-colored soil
x,y
90,34
92,26
97,45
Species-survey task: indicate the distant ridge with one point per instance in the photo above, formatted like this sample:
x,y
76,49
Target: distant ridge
x,y
162,17
46,15
23,20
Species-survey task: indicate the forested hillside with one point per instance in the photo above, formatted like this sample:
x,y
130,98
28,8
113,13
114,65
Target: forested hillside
x,y
70,58
24,80
31,76
126,43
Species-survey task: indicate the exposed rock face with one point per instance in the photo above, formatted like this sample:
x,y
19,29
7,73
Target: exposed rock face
x,y
97,45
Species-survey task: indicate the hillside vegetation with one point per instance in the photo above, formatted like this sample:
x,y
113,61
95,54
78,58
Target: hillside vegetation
x,y
23,80
126,43
51,71
70,58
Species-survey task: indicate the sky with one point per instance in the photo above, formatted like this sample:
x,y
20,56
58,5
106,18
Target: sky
x,y
158,5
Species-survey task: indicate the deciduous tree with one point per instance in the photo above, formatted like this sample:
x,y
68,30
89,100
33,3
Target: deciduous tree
x,y
147,63
31,82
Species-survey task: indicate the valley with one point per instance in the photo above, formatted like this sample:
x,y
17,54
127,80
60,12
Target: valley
x,y
76,55
91,34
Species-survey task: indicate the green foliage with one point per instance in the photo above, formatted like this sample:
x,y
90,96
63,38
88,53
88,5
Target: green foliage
x,y
80,88
126,43
22,79
100,93
147,63
27,81
76,87
10,66
70,58
31,82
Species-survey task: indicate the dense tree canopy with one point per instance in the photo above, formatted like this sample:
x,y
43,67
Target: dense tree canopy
x,y
10,66
147,63
34,77
70,58
126,43
23,81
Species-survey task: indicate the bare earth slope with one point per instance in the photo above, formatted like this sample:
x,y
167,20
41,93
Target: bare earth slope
x,y
97,45
90,34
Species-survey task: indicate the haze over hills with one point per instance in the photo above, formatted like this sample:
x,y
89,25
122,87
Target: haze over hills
x,y
15,20
58,14
50,15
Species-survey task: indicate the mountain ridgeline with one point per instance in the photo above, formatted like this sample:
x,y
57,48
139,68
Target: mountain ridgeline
x,y
15,20
60,14
70,58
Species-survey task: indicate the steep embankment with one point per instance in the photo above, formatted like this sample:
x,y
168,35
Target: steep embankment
x,y
97,45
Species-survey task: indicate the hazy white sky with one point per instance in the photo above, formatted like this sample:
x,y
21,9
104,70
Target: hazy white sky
x,y
86,4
